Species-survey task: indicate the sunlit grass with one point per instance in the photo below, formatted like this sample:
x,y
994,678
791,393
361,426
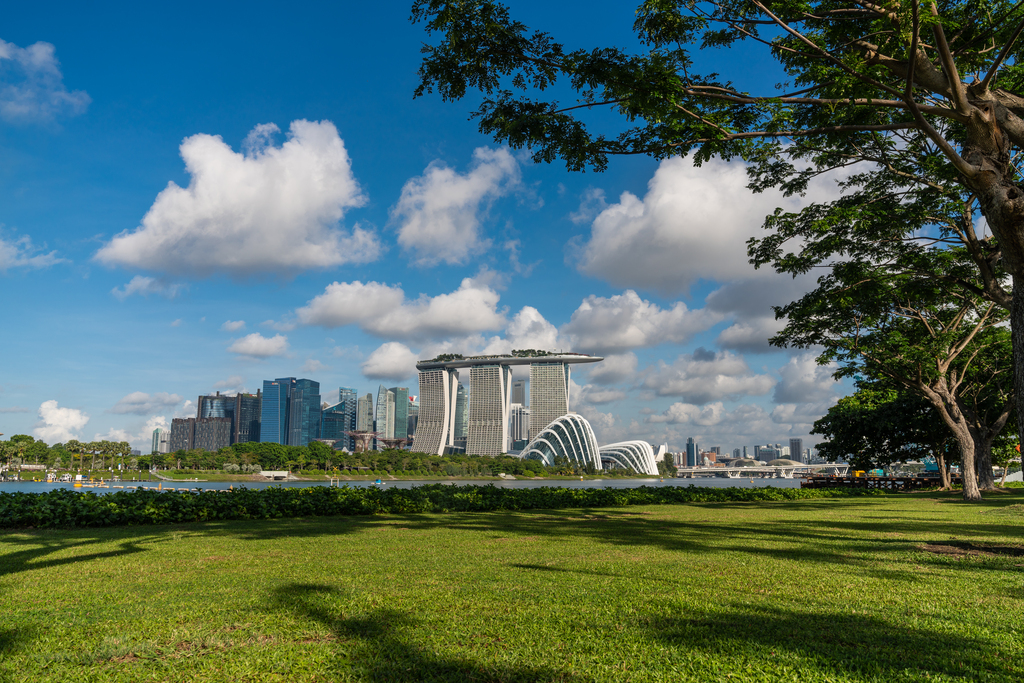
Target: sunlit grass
x,y
893,588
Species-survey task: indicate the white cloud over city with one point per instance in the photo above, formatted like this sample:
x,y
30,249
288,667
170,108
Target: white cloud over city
x,y
141,403
271,210
57,424
383,310
705,376
439,213
255,345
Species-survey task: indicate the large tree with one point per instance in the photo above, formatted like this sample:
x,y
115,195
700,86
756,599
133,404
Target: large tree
x,y
924,94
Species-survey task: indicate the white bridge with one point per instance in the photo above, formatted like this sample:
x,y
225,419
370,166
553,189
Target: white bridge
x,y
762,471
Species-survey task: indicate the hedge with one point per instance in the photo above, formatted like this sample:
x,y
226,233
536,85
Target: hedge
x,y
63,508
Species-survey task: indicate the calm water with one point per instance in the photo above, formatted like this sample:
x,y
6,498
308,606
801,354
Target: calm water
x,y
40,487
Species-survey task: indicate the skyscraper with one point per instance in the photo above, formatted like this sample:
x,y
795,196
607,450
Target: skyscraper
x,y
247,417
183,432
274,410
549,394
364,413
796,449
519,423
414,415
384,420
488,410
519,392
401,418
212,433
304,412
461,412
350,400
161,440
692,453
436,425
334,422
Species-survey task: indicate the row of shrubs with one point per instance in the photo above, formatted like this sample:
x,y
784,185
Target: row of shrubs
x,y
67,508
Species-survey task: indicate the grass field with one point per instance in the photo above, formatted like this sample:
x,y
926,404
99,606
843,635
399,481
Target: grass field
x,y
888,588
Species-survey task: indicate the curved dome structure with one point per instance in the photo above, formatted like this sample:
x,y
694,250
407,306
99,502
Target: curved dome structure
x,y
570,437
634,455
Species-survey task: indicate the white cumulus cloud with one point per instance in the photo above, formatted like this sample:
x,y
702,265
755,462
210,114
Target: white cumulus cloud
x,y
233,325
20,253
623,322
255,345
692,224
140,284
392,360
439,213
58,424
32,87
705,376
383,310
271,210
141,403
805,381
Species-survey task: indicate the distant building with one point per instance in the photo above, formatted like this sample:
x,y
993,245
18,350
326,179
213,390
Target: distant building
x,y
461,412
519,392
796,450
401,417
692,453
489,399
364,413
349,399
333,424
183,432
212,433
304,412
161,440
274,411
488,411
519,423
248,409
384,420
414,416
549,394
736,453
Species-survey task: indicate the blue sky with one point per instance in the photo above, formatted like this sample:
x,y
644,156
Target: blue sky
x,y
202,196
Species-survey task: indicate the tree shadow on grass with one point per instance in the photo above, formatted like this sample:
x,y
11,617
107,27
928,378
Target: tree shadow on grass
x,y
855,645
36,547
11,640
380,647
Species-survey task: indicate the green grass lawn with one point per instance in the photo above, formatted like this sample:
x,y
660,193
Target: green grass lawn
x,y
887,588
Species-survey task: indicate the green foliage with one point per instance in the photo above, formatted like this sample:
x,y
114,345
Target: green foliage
x,y
877,426
66,508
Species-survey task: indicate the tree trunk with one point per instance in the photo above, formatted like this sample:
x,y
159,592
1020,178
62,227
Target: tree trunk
x,y
1017,335
940,460
983,461
967,471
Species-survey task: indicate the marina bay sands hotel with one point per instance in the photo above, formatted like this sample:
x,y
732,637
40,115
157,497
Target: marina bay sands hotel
x,y
490,380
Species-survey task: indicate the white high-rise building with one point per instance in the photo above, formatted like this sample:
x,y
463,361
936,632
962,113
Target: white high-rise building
x,y
491,387
489,399
549,394
519,422
384,420
161,440
435,425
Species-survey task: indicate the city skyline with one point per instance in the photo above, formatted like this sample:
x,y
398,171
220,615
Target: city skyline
x,y
423,237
